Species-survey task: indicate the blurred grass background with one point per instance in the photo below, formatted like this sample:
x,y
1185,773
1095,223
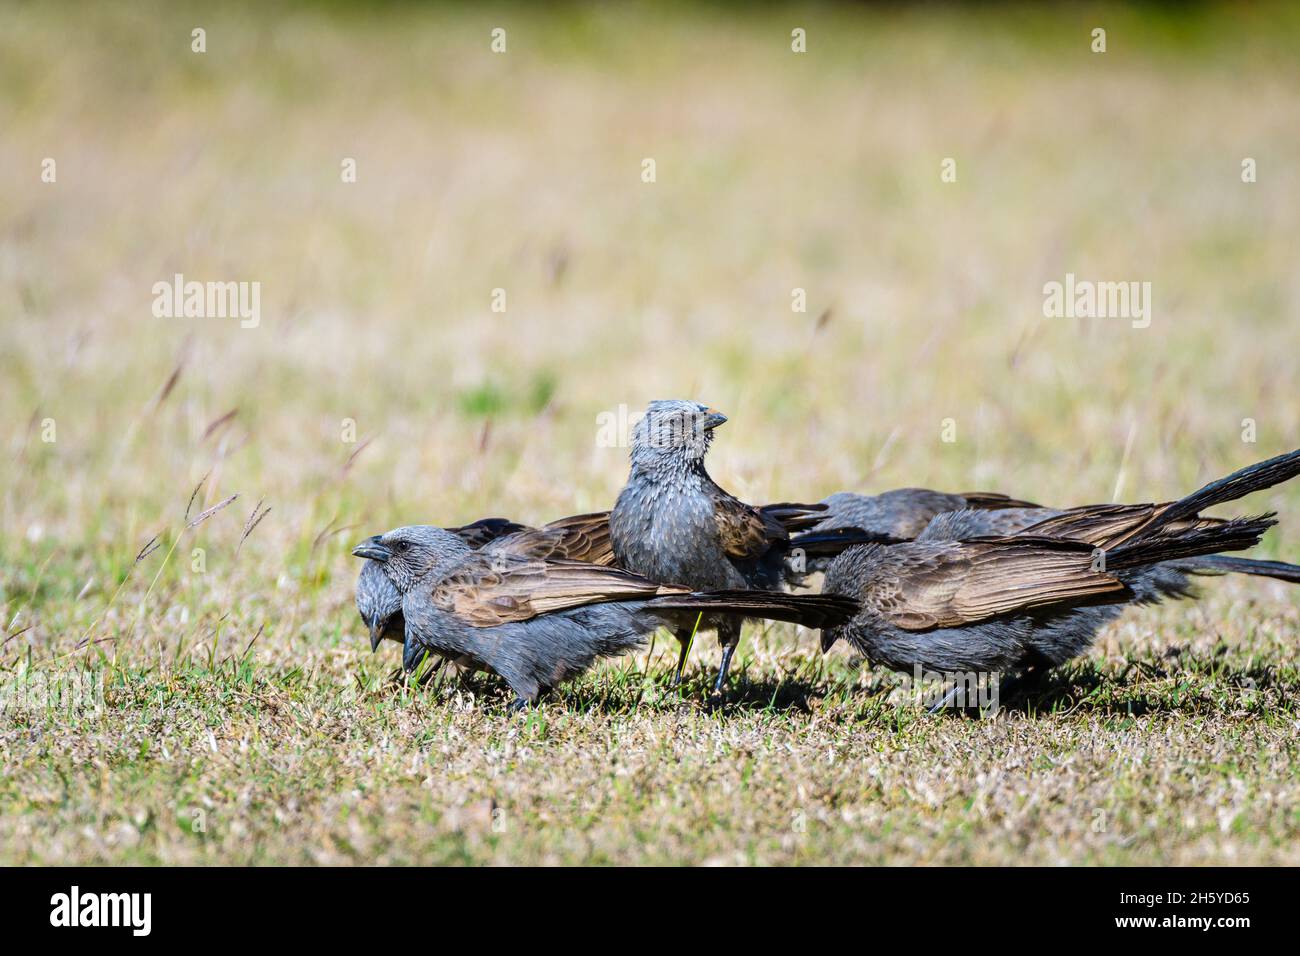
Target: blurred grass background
x,y
522,171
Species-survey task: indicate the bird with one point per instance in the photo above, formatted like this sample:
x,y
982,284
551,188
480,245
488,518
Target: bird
x,y
905,512
846,518
583,537
997,593
379,603
672,523
539,621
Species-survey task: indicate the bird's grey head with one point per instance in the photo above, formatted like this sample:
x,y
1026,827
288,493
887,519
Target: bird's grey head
x,y
379,603
412,552
673,435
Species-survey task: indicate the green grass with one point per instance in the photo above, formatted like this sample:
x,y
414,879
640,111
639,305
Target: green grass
x,y
243,718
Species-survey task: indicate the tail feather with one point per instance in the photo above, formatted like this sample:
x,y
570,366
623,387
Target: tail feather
x,y
794,516
1256,477
1222,564
829,543
1174,544
809,610
992,501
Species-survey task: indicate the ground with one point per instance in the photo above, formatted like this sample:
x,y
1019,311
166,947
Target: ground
x,y
211,697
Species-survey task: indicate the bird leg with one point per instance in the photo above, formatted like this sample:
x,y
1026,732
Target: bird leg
x,y
959,689
729,638
721,682
1008,688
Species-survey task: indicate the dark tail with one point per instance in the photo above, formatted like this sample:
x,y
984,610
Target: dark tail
x,y
991,501
794,516
485,530
827,544
1257,477
1170,544
1222,564
810,610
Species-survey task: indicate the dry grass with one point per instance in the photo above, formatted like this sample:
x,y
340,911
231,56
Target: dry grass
x,y
246,691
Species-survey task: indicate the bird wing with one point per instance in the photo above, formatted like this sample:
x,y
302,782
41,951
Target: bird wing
x,y
1106,524
485,530
992,501
579,538
585,538
794,516
746,532
920,586
491,588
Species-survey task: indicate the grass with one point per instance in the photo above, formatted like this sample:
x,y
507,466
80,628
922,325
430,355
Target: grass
x,y
235,713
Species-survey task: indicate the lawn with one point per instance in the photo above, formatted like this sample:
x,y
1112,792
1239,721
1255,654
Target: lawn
x,y
450,335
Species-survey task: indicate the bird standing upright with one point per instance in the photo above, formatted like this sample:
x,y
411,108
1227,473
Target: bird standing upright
x,y
672,523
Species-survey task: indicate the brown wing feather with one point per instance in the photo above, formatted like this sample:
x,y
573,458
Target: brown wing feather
x,y
496,588
579,538
950,584
1107,525
585,538
746,532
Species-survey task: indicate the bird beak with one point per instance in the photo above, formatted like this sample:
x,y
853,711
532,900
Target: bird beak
x,y
713,418
373,549
412,654
376,636
829,638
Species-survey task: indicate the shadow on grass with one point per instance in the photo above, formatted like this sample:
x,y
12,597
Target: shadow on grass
x,y
1195,685
1174,684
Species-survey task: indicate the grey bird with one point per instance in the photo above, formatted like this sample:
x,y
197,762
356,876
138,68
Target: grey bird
x,y
537,622
1019,594
891,517
583,537
905,512
672,523
380,604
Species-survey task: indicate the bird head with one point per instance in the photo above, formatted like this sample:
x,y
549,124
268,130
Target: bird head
x,y
411,553
673,432
379,603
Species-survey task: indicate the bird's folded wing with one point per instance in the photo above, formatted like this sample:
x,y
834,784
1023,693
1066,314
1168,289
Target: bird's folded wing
x,y
992,501
486,530
580,538
746,532
1107,525
919,586
794,516
585,538
488,588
